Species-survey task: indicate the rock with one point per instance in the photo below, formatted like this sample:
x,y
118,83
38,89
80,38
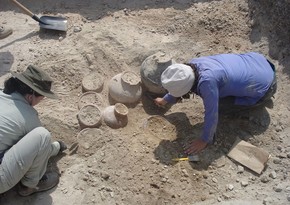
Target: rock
x,y
203,198
276,160
205,174
240,169
282,155
278,188
105,175
268,201
220,162
264,179
214,180
226,196
273,175
230,187
185,173
244,183
77,29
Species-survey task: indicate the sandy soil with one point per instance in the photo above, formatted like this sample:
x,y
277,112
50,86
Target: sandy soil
x,y
132,165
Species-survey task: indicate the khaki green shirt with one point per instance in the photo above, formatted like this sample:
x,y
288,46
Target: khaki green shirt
x,y
17,118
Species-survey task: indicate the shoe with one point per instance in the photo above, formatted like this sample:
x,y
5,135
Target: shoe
x,y
48,181
62,146
58,147
4,32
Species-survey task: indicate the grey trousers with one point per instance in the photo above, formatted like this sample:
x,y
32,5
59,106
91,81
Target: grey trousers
x,y
27,160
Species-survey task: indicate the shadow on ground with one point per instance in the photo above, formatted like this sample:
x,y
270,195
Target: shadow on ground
x,y
243,125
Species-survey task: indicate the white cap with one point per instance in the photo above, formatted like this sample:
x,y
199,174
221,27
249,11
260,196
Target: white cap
x,y
178,79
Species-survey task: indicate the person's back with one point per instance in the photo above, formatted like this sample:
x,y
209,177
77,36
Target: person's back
x,y
246,76
23,118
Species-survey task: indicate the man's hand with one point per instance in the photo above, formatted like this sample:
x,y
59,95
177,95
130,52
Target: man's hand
x,y
160,102
195,147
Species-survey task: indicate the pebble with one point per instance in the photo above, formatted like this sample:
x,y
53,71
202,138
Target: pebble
x,y
244,183
226,196
276,160
185,173
205,175
163,180
77,29
230,187
279,147
220,162
277,188
273,175
240,169
264,179
105,175
288,197
267,201
282,155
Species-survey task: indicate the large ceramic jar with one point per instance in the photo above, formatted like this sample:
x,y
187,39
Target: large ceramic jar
x,y
151,70
125,87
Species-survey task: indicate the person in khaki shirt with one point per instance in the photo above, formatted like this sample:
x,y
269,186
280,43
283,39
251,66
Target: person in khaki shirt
x,y
25,146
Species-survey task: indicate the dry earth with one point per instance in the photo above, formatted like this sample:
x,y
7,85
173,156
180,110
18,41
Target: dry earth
x,y
132,165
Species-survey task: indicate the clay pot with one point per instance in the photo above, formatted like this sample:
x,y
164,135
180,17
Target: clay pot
x,y
125,87
90,140
151,70
93,82
89,116
115,116
90,98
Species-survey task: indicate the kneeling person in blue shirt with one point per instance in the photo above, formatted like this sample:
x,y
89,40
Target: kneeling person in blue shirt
x,y
241,80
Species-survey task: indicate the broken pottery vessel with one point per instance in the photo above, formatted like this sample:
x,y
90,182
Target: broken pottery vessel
x,y
115,116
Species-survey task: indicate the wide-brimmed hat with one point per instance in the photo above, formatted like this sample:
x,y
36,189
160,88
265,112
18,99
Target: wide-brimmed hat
x,y
178,79
37,80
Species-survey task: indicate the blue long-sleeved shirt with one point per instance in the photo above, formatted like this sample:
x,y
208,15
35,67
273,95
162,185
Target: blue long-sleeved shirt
x,y
246,76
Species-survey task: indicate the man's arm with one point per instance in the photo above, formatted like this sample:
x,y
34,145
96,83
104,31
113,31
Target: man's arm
x,y
209,92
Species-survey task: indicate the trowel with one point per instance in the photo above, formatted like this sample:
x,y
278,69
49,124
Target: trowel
x,y
190,158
